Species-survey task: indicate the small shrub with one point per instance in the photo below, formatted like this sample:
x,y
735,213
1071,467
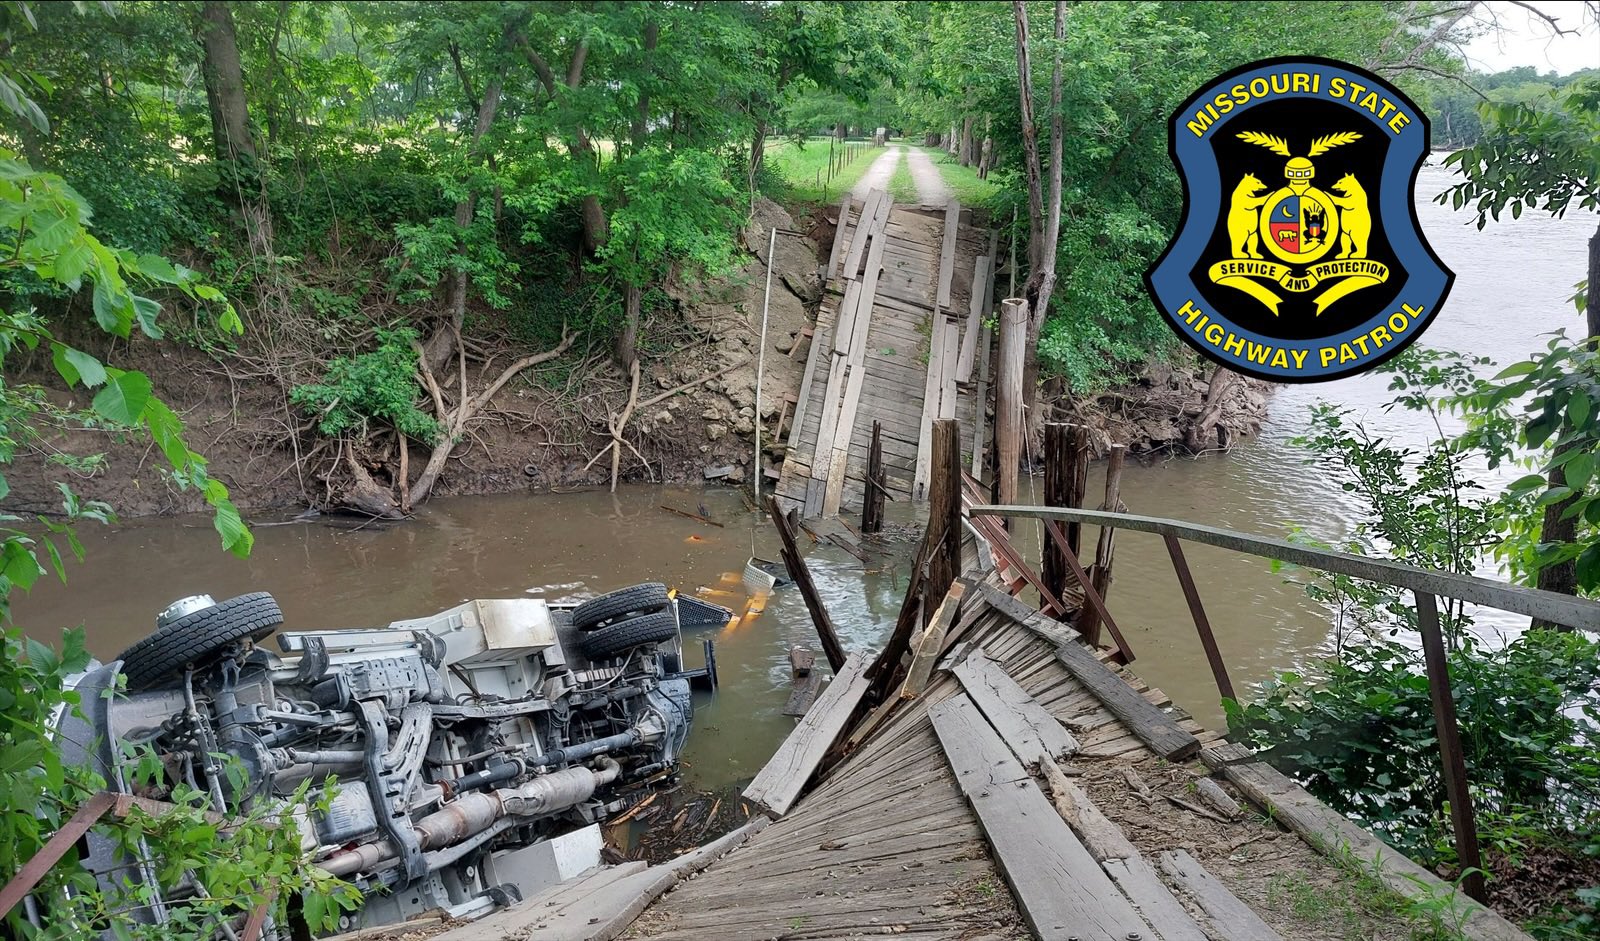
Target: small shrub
x,y
380,385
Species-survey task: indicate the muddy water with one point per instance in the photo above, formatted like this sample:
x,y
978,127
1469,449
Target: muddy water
x,y
1512,281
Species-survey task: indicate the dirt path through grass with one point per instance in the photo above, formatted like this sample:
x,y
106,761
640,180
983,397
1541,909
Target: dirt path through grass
x,y
930,184
877,175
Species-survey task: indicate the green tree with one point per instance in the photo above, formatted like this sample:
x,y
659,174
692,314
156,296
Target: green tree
x,y
45,236
1546,157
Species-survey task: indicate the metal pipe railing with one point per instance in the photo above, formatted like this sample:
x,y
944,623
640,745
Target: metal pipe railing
x,y
1425,584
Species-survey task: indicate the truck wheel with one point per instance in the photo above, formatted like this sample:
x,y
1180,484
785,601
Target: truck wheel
x,y
640,599
603,643
196,636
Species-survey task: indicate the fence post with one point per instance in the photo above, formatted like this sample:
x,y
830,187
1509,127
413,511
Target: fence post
x,y
1462,818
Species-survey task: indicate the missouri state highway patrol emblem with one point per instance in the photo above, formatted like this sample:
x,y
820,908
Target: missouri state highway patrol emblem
x,y
1299,257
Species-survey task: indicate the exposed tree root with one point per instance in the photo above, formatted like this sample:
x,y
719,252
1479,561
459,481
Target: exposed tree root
x,y
467,406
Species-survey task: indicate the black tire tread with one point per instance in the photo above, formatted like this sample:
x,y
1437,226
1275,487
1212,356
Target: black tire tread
x,y
646,598
195,636
607,642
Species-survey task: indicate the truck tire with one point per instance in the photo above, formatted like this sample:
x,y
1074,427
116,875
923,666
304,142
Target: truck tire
x,y
194,637
604,643
647,598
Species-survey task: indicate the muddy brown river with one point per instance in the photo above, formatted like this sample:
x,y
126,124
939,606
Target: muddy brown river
x,y
1512,282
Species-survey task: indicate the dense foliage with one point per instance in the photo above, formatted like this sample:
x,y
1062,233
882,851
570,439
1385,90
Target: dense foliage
x,y
1128,65
1358,726
462,170
231,866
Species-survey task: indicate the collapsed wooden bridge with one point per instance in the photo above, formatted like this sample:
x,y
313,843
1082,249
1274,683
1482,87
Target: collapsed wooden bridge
x,y
899,340
990,774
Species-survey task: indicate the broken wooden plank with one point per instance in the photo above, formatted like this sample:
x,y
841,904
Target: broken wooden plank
x,y
947,367
1153,899
1233,919
779,783
822,456
931,643
1216,798
855,366
1104,839
838,238
1027,727
803,694
1059,889
980,411
795,563
817,351
947,253
930,408
869,212
1338,837
969,338
1152,725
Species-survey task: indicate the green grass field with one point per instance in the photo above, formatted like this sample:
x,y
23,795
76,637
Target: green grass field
x,y
799,168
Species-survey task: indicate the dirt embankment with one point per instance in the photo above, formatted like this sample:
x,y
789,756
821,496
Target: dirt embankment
x,y
695,417
1188,406
694,420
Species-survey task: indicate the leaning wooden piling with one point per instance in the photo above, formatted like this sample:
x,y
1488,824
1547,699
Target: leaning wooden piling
x,y
877,484
1077,483
787,525
942,546
1105,547
1058,478
1008,419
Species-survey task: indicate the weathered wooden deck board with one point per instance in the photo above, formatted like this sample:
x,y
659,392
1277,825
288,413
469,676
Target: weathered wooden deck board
x,y
1026,726
900,340
1233,918
1060,889
781,779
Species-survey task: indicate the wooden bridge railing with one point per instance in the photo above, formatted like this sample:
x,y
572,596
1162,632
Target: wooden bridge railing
x,y
1427,585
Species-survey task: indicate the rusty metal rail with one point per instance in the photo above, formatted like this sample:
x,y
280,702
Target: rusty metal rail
x,y
1426,584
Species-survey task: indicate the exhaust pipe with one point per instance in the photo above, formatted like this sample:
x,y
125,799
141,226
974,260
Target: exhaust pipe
x,y
473,813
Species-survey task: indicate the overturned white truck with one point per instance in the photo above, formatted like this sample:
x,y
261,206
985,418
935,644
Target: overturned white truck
x,y
458,743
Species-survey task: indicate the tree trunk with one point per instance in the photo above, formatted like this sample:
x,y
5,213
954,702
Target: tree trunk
x,y
839,131
1593,307
239,173
224,78
628,339
967,149
1044,218
1563,577
1202,435
442,344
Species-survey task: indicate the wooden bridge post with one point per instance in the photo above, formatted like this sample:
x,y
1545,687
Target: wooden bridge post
x,y
942,547
876,484
1100,573
1008,419
1057,487
1462,818
1077,482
